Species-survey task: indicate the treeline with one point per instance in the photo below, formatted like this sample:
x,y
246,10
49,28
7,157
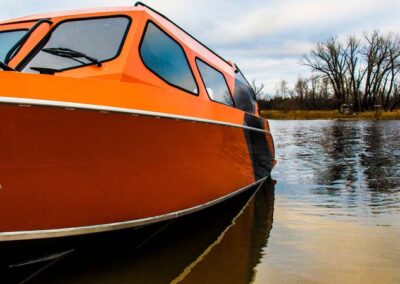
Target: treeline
x,y
308,94
363,72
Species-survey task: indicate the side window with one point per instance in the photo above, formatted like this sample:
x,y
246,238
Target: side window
x,y
100,38
166,59
215,84
7,41
244,94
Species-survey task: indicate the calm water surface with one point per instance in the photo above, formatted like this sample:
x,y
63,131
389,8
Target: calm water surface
x,y
337,207
333,217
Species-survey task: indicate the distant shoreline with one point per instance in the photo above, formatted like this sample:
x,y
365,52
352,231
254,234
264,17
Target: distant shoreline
x,y
329,115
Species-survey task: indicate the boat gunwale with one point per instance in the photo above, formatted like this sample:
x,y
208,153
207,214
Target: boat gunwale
x,y
102,108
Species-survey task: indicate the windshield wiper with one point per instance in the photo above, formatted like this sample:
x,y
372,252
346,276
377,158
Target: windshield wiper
x,y
45,70
5,67
70,53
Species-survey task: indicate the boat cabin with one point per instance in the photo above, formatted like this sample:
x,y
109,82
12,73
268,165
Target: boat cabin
x,y
130,44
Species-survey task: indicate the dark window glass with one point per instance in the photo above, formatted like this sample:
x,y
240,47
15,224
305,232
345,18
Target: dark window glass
x,y
215,84
98,38
8,40
244,94
166,58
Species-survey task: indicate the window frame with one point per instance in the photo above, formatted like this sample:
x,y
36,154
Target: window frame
x,y
253,94
47,37
14,30
248,83
205,86
148,22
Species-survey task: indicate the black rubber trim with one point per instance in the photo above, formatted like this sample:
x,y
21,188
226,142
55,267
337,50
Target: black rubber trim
x,y
46,38
20,43
5,67
180,46
259,150
13,30
204,84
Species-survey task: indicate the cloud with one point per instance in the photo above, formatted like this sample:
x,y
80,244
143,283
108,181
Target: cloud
x,y
271,71
286,49
293,17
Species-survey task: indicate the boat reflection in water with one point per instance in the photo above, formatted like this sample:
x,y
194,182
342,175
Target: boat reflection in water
x,y
220,245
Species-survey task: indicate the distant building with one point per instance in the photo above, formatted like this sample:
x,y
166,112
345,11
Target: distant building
x,y
346,108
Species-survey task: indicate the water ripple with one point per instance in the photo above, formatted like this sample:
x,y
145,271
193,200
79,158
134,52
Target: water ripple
x,y
350,168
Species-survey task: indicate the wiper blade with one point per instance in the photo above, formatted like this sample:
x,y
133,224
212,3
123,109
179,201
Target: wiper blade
x,y
70,53
5,67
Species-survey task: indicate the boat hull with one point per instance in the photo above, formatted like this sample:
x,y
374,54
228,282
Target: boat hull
x,y
68,171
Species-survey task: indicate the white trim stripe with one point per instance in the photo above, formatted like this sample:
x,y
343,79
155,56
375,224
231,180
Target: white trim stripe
x,y
57,233
35,102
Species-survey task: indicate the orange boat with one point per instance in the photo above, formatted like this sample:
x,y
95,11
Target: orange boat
x,y
99,108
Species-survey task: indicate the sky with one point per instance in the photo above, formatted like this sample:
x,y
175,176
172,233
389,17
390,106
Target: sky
x,y
265,38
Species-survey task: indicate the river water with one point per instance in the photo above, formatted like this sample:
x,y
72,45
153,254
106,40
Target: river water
x,y
337,203
333,216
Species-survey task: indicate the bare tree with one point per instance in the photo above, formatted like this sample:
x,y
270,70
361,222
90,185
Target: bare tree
x,y
354,74
283,89
396,97
258,89
389,92
364,74
329,59
381,54
301,89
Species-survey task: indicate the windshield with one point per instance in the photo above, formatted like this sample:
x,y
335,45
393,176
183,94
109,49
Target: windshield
x,y
8,39
97,39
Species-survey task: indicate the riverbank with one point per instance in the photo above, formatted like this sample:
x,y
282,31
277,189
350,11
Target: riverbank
x,y
329,115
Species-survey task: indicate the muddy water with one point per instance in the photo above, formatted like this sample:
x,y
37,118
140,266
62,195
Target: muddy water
x,y
332,217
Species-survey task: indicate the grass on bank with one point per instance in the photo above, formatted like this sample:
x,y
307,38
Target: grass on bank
x,y
329,114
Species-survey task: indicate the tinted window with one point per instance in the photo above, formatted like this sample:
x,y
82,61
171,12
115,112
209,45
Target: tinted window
x,y
8,40
166,58
244,94
215,84
98,38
